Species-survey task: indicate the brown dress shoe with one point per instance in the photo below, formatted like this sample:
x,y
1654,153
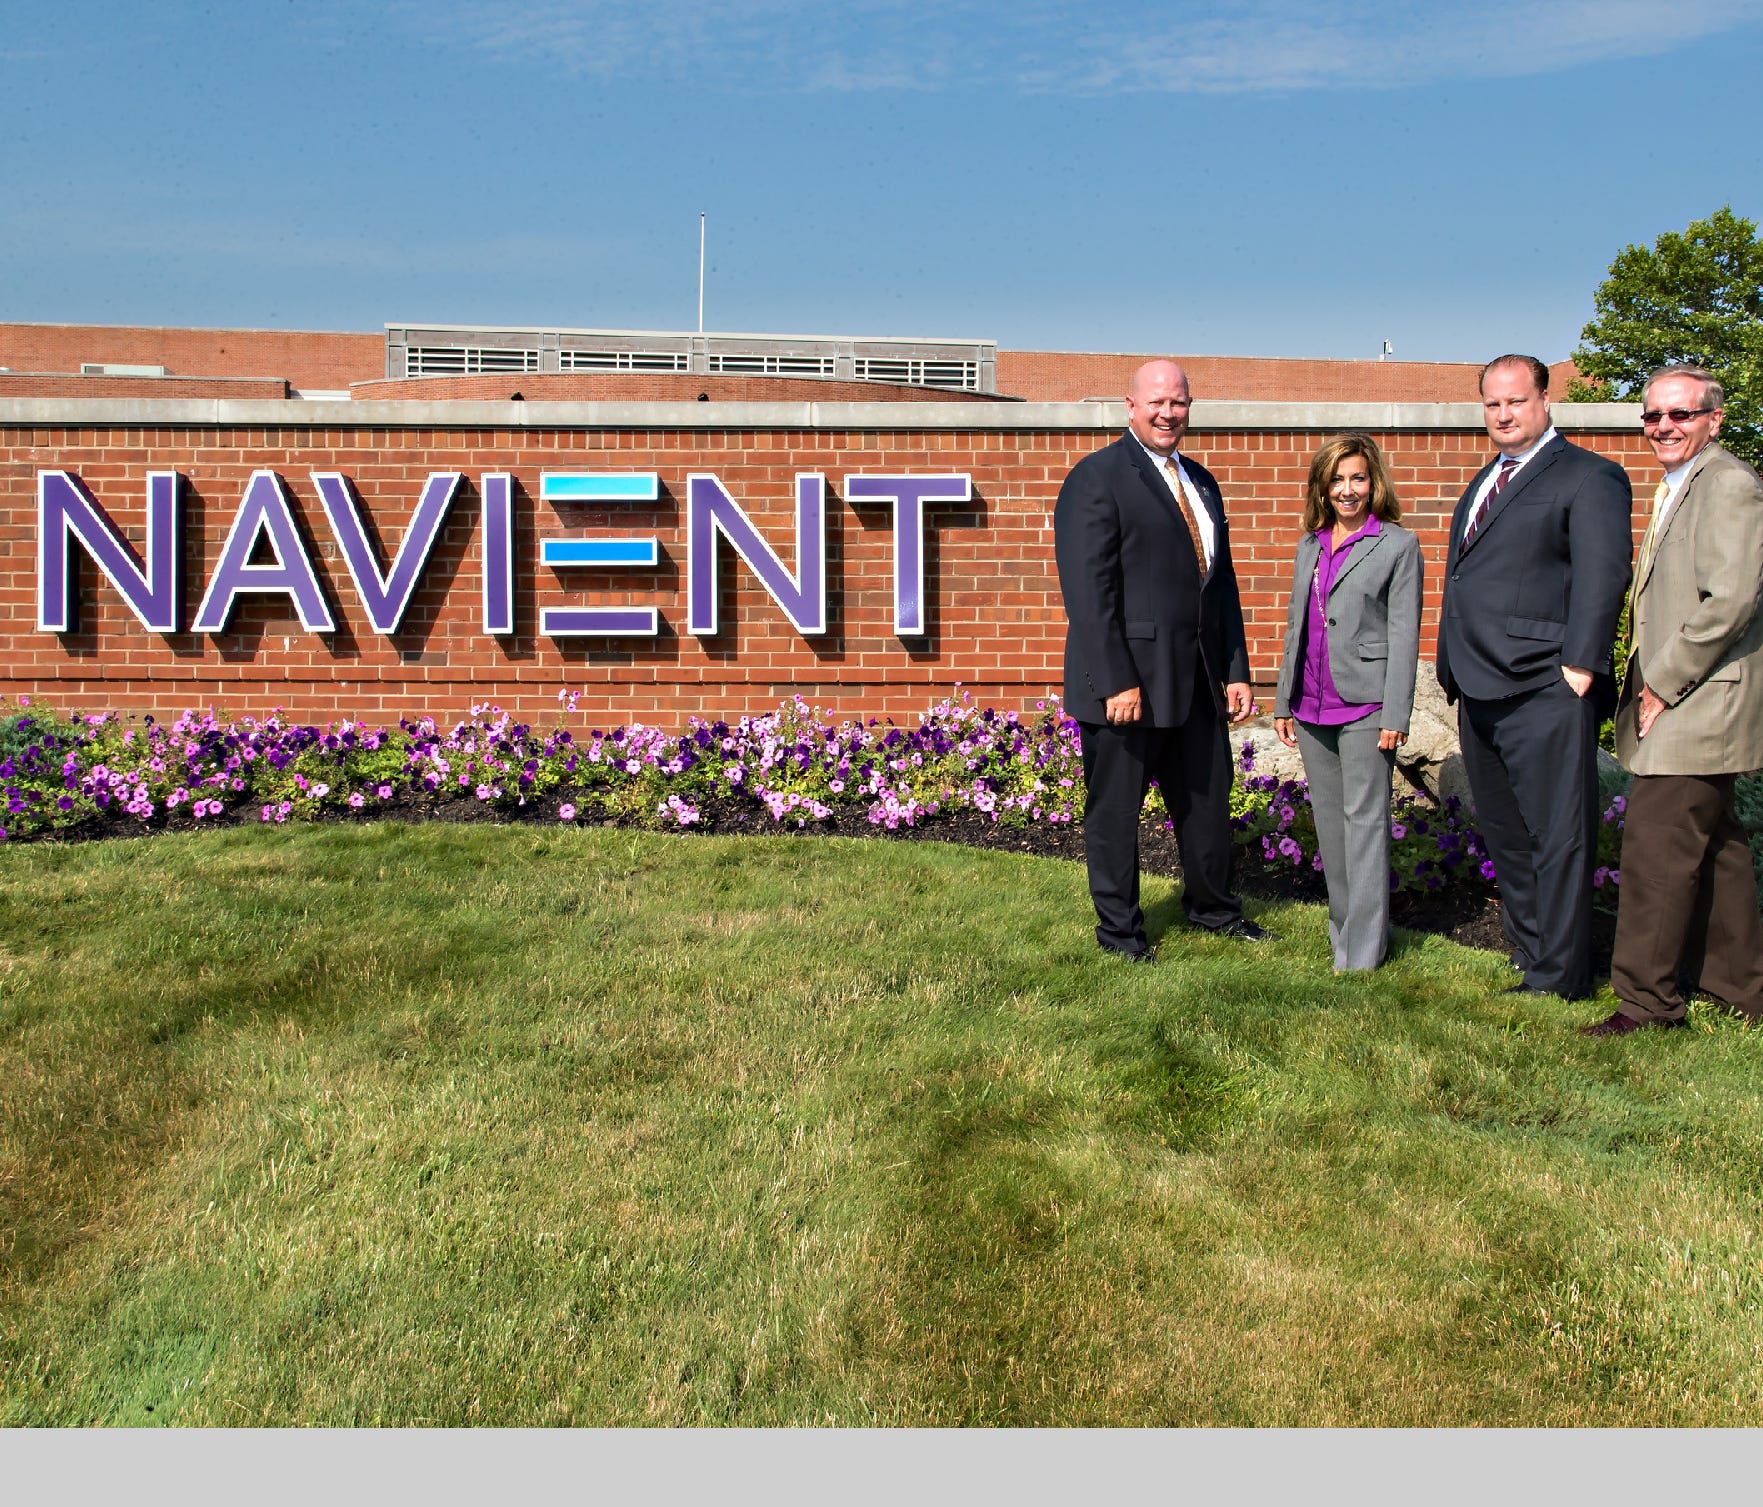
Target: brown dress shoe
x,y
1620,1025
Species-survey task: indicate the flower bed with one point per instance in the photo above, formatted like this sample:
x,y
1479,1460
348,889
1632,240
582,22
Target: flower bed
x,y
66,774
100,774
1431,846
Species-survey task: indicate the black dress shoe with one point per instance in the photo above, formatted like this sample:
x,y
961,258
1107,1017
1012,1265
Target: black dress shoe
x,y
1244,930
1143,955
1620,1025
1522,988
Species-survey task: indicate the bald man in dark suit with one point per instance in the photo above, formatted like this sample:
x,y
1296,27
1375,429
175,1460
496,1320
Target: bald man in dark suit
x,y
1156,662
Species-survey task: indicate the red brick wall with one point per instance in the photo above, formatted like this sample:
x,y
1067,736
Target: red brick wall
x,y
654,387
61,385
1071,376
995,616
324,360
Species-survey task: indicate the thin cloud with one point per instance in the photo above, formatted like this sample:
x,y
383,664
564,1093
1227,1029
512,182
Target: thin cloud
x,y
1278,46
1041,46
658,40
190,228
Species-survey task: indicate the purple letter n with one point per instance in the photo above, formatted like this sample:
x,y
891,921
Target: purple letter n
x,y
711,511
65,509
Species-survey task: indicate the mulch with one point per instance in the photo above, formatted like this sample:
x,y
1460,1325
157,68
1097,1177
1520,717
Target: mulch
x,y
1459,913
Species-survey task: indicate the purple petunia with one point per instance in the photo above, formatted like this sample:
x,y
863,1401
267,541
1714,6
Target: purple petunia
x,y
794,763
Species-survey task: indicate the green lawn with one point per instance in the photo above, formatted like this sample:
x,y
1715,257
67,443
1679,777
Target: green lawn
x,y
381,1124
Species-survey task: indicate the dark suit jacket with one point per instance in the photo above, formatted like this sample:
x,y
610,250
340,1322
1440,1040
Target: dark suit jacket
x,y
1543,582
1138,612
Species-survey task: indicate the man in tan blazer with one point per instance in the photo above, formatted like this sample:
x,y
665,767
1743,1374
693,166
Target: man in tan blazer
x,y
1690,721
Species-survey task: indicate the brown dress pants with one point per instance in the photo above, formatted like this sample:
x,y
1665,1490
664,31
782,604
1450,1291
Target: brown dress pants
x,y
1688,906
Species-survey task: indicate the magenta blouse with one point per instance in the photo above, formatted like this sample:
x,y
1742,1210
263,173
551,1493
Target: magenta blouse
x,y
1314,697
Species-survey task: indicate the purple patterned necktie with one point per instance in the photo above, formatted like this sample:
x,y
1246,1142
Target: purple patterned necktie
x,y
1480,516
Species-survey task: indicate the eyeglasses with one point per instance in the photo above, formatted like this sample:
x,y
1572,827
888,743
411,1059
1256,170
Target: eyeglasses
x,y
1651,418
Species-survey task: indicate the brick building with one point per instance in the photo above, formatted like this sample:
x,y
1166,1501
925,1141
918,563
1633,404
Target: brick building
x,y
72,360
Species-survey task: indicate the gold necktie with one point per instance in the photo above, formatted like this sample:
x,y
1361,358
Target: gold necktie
x,y
1650,539
1645,561
1187,513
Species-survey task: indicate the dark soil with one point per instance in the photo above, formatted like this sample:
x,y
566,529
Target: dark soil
x,y
1461,914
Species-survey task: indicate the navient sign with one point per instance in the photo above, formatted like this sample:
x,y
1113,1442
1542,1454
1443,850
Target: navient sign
x,y
265,550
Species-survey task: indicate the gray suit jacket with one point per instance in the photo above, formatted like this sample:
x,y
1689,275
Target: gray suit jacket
x,y
1697,637
1373,623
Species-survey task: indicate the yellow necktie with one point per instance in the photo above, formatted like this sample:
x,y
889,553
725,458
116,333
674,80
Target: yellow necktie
x,y
1641,566
1650,539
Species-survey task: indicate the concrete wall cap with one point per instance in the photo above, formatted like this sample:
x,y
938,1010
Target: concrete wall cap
x,y
1208,416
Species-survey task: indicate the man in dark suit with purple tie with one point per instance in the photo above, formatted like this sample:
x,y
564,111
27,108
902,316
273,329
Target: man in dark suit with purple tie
x,y
1155,659
1535,578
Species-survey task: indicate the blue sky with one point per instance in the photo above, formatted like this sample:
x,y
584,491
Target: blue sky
x,y
1280,177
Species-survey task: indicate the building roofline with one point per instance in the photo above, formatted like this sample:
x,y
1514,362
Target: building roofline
x,y
183,329
1208,416
565,329
1179,356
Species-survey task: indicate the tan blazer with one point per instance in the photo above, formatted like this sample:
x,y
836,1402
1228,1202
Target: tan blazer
x,y
1697,634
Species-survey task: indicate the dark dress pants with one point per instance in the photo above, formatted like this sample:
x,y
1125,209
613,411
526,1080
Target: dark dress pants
x,y
1191,765
1689,900
1532,762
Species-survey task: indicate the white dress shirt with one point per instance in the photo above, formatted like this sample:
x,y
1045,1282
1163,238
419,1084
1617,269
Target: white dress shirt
x,y
1674,480
1202,513
1493,475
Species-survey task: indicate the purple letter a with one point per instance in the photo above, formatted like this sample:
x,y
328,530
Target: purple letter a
x,y
264,514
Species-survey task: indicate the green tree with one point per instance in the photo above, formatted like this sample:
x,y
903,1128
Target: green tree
x,y
1695,297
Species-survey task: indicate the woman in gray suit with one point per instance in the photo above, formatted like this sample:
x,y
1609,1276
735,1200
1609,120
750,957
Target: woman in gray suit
x,y
1346,681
